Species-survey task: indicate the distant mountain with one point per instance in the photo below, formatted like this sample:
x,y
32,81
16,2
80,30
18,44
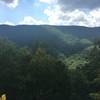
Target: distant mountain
x,y
59,39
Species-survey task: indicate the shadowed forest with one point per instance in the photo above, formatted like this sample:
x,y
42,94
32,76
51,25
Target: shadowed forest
x,y
50,70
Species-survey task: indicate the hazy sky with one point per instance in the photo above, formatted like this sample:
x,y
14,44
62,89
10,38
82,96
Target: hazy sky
x,y
52,12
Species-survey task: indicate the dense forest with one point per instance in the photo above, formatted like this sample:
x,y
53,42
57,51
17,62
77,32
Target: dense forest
x,y
66,68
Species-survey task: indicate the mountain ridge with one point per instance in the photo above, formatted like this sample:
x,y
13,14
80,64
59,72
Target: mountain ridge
x,y
58,38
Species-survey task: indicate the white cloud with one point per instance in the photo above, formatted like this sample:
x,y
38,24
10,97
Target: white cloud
x,y
13,4
28,20
53,15
7,23
75,17
10,3
49,1
57,17
69,12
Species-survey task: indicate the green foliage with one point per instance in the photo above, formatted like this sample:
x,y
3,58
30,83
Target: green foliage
x,y
49,76
34,76
92,71
78,85
95,96
29,75
76,60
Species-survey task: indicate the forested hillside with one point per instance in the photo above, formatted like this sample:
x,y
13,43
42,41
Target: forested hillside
x,y
49,62
60,39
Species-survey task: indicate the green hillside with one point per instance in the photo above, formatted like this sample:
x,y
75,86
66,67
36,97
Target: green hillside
x,y
58,39
49,62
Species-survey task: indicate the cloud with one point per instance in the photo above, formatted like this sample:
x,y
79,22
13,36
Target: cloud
x,y
10,3
74,4
79,4
7,1
48,1
54,15
75,17
28,20
7,23
73,12
65,12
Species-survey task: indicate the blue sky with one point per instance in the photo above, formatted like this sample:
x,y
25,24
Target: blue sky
x,y
25,8
51,12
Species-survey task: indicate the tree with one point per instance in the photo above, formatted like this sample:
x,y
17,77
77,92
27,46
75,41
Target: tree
x,y
8,63
78,85
48,77
92,70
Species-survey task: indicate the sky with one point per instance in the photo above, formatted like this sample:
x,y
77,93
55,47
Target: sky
x,y
50,12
